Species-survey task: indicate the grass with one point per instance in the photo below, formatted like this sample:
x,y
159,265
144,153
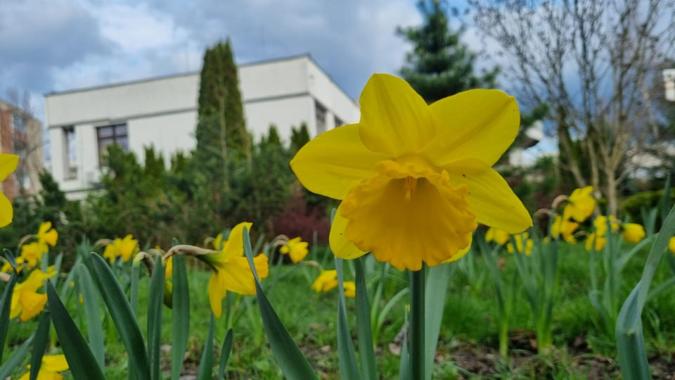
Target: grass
x,y
468,342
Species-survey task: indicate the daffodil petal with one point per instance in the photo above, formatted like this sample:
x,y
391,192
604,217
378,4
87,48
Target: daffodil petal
x,y
54,363
395,120
234,246
216,291
8,164
339,244
490,198
333,162
6,211
237,275
478,124
462,252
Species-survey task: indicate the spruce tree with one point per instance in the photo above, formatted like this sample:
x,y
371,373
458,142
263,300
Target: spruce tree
x,y
439,64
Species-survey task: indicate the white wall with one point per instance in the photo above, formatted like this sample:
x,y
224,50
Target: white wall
x,y
285,113
152,131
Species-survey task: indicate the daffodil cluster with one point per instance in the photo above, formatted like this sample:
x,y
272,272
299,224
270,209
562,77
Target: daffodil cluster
x,y
327,280
123,248
579,206
50,369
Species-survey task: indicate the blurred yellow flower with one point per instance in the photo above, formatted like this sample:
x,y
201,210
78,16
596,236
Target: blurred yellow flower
x,y
32,253
601,221
633,233
231,270
523,244
50,369
350,289
48,235
168,268
296,249
325,281
123,248
581,204
671,245
565,228
496,235
415,179
8,164
595,242
26,301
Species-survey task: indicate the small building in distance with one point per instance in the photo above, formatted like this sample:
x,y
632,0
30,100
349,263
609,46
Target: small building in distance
x,y
162,112
21,134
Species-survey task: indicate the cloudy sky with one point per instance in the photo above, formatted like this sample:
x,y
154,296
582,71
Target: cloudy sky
x,y
51,45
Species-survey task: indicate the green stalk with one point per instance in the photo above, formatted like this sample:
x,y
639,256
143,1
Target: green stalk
x,y
417,333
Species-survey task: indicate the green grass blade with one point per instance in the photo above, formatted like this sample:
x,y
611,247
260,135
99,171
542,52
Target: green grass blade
x,y
288,356
121,314
346,354
81,360
206,363
363,323
154,329
664,204
39,344
436,290
225,354
180,315
92,314
15,360
5,306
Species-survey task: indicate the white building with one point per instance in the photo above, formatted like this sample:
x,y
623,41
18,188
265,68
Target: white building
x,y
162,112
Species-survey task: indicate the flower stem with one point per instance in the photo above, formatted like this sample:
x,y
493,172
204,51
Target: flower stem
x,y
417,332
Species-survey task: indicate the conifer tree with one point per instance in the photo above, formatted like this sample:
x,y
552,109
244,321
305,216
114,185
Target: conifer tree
x,y
439,64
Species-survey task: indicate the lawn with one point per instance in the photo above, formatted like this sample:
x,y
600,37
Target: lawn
x,y
468,346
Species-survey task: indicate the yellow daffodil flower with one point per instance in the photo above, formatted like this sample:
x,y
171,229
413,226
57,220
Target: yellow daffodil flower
x,y
8,164
26,301
50,369
325,281
123,248
231,270
168,268
350,289
671,245
48,235
581,204
565,228
523,244
296,249
595,242
633,233
415,179
601,221
496,235
32,253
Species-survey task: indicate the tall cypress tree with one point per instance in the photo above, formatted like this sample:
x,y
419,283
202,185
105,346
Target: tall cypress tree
x,y
221,130
439,64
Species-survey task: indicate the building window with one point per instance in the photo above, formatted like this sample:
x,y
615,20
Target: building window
x,y
338,122
69,153
320,117
109,135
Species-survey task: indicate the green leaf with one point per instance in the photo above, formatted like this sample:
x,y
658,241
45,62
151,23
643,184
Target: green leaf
x,y
81,360
225,354
289,358
15,360
122,316
436,290
154,328
363,323
206,363
629,335
39,344
346,355
92,314
5,306
180,315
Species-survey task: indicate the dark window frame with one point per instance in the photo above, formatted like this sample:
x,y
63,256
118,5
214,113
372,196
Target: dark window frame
x,y
115,138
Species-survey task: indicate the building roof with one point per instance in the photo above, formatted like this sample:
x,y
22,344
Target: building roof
x,y
190,73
